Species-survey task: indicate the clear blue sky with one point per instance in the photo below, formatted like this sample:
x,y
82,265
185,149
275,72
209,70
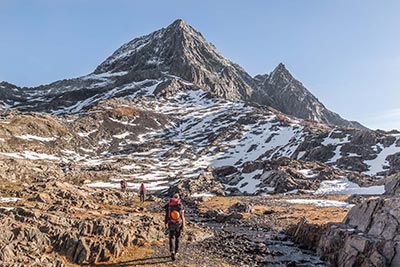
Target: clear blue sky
x,y
345,52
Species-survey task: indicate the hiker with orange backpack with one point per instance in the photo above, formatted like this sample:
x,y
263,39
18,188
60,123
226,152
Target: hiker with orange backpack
x,y
174,223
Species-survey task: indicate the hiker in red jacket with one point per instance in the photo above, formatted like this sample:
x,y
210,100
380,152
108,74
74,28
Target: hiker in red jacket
x,y
124,185
142,192
174,223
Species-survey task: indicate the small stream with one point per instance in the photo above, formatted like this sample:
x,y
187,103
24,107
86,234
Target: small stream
x,y
282,251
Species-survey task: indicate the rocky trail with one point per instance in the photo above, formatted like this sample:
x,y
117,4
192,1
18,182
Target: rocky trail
x,y
60,224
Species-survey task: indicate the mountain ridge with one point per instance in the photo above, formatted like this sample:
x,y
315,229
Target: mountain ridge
x,y
290,96
176,52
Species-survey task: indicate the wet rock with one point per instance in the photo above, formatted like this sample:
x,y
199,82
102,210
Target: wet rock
x,y
307,234
237,248
241,207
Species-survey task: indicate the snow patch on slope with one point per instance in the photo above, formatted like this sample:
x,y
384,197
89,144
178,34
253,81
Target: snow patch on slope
x,y
345,187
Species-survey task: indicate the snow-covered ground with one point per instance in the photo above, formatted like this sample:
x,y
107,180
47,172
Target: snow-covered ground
x,y
249,184
31,155
208,194
345,187
377,165
150,186
9,199
321,203
36,138
204,131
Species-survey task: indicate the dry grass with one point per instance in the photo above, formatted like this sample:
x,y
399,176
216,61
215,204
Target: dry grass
x,y
283,212
123,111
218,203
12,186
315,215
132,255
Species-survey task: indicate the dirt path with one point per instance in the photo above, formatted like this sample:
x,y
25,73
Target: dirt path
x,y
221,231
151,256
256,238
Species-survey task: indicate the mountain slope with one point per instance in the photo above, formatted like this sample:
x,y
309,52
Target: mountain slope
x,y
169,60
163,139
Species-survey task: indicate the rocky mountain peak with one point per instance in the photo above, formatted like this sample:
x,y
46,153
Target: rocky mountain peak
x,y
180,51
290,96
183,33
280,73
162,49
180,25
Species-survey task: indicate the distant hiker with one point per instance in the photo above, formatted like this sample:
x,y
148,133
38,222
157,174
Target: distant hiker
x,y
123,184
142,192
174,223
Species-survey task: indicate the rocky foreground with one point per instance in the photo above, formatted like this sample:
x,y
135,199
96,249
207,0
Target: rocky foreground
x,y
368,236
55,223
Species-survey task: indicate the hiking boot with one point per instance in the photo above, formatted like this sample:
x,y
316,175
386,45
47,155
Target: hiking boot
x,y
172,256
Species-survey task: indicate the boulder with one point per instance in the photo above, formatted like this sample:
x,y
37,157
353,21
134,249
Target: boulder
x,y
283,181
241,207
369,236
392,185
204,183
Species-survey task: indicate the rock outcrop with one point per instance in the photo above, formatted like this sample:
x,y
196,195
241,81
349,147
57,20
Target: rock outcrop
x,y
283,175
56,219
368,236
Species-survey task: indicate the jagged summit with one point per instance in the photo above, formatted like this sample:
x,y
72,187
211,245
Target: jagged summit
x,y
280,73
181,51
291,97
180,24
159,49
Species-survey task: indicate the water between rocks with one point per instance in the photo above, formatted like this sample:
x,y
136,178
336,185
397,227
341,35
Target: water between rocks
x,y
281,252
